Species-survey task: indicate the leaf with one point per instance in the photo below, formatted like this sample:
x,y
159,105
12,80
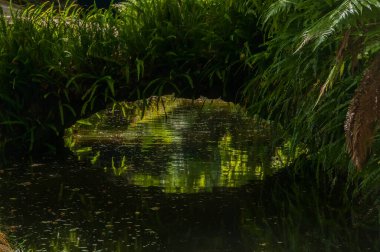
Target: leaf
x,y
12,123
277,7
84,122
84,107
54,128
90,91
31,138
139,68
61,112
344,16
71,109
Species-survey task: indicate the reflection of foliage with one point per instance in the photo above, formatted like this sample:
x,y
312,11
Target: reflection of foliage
x,y
121,114
64,241
233,162
83,152
285,155
95,158
120,169
188,146
166,137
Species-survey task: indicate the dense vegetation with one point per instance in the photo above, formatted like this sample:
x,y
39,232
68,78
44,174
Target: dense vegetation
x,y
297,63
58,67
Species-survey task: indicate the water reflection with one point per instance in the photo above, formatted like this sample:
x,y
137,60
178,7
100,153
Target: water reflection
x,y
185,179
68,206
181,146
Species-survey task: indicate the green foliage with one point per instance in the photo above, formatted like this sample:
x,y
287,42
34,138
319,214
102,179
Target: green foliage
x,y
60,66
296,62
311,45
344,16
315,54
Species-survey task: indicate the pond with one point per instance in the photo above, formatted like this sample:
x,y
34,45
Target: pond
x,y
170,175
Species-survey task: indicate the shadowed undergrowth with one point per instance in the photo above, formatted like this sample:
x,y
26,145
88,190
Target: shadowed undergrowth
x,y
57,67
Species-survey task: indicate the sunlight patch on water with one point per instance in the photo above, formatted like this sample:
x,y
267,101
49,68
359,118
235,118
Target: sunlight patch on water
x,y
181,146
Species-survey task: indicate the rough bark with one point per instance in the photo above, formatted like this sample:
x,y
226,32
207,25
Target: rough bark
x,y
363,115
4,245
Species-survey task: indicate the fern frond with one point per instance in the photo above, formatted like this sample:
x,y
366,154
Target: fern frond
x,y
280,6
344,16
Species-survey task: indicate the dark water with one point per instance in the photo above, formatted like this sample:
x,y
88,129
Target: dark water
x,y
185,178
